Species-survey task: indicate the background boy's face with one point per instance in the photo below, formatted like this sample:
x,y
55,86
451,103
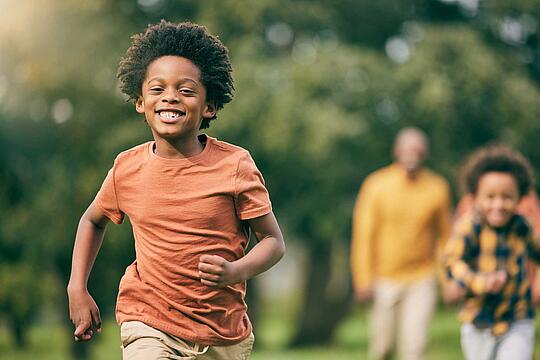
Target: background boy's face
x,y
497,197
173,98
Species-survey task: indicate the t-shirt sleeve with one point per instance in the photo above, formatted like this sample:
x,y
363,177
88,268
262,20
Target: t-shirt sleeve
x,y
107,198
251,196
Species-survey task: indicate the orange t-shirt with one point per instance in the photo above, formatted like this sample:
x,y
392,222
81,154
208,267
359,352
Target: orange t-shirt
x,y
181,209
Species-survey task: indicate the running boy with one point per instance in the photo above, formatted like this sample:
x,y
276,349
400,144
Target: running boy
x,y
191,200
486,257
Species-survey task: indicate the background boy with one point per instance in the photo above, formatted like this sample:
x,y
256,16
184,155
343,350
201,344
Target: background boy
x,y
486,257
191,201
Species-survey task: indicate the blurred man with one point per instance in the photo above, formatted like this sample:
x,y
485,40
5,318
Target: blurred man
x,y
401,217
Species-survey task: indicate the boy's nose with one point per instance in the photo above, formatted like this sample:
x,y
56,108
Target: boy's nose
x,y
498,203
171,96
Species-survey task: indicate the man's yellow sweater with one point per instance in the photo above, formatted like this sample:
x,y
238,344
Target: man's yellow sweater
x,y
399,226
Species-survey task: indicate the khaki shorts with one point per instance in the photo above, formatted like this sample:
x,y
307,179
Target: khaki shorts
x,y
142,342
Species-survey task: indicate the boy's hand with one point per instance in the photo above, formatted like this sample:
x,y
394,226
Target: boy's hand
x,y
452,292
84,314
495,281
216,271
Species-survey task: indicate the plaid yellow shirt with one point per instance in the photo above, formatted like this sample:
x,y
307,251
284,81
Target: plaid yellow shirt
x,y
475,249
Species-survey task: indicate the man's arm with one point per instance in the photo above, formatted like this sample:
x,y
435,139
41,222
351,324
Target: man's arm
x,y
444,220
362,242
270,248
450,290
83,310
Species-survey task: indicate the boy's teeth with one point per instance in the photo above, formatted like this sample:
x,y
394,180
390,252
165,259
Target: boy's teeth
x,y
169,114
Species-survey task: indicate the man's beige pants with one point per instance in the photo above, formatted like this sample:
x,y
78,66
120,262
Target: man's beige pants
x,y
142,342
405,310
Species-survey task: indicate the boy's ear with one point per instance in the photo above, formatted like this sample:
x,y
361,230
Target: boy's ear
x,y
209,110
139,105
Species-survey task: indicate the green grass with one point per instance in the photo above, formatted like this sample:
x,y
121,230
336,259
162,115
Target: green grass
x,y
52,341
351,339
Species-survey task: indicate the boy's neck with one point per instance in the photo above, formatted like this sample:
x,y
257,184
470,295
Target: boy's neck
x,y
178,148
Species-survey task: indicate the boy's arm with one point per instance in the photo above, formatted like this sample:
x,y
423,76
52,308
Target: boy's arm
x,y
533,247
458,249
217,271
83,310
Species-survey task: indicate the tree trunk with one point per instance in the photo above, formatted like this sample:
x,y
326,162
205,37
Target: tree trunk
x,y
19,329
324,306
253,301
80,350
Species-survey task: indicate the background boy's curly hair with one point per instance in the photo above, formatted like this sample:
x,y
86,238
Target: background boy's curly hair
x,y
187,40
496,158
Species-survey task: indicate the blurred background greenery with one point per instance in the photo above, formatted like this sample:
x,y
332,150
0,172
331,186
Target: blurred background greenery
x,y
322,88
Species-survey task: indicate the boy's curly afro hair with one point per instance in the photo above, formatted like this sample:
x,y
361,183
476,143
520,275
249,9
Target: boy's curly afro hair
x,y
497,158
187,40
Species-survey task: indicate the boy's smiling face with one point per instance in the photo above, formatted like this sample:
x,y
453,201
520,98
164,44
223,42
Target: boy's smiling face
x,y
497,197
173,98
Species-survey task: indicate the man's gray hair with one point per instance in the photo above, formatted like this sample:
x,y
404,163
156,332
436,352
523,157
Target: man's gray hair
x,y
412,132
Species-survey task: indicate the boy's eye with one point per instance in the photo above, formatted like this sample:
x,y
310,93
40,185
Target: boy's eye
x,y
186,91
156,89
